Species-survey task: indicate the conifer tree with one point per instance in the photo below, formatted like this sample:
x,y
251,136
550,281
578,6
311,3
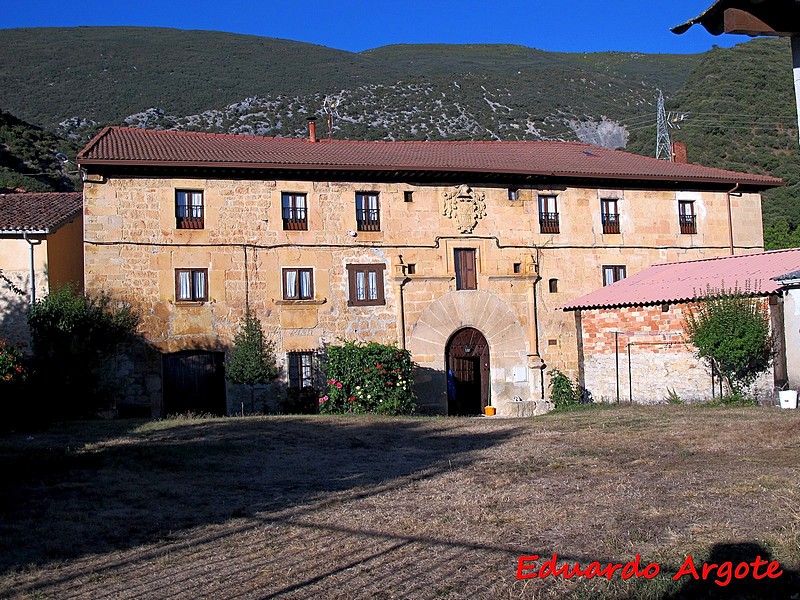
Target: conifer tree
x,y
252,360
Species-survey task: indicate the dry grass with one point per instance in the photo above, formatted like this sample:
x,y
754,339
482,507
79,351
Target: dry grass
x,y
363,507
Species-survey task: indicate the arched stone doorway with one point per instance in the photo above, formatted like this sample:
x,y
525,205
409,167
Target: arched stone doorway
x,y
468,372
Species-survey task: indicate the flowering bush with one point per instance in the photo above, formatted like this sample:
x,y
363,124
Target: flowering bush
x,y
368,378
12,369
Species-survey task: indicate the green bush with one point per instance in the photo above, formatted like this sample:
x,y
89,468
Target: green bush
x,y
252,360
368,378
731,331
563,392
75,340
12,368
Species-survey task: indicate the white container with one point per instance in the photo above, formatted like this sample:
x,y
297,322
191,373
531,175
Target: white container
x,y
788,398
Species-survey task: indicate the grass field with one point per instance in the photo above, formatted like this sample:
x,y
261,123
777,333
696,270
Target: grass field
x,y
366,507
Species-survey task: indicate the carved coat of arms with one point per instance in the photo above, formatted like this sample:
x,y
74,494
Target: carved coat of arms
x,y
465,206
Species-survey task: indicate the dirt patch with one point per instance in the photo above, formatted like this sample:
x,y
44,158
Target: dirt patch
x,y
365,507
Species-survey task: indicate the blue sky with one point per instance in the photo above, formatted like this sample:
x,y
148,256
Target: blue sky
x,y
562,26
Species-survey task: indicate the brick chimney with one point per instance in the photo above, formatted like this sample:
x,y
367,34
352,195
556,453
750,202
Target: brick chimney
x,y
679,154
312,129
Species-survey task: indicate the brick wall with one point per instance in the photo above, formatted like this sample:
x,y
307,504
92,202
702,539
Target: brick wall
x,y
641,353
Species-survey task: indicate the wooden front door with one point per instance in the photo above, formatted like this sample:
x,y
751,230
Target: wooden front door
x,y
194,381
467,373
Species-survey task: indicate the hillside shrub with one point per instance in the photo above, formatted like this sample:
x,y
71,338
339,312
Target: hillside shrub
x,y
368,378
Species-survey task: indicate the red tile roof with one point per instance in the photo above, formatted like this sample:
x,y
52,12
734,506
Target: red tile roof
x,y
688,280
139,147
38,212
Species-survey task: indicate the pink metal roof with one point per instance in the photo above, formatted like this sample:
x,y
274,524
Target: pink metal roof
x,y
40,212
688,280
141,147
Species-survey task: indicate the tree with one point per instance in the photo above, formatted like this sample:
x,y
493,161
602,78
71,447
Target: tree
x,y
780,235
75,339
252,360
730,329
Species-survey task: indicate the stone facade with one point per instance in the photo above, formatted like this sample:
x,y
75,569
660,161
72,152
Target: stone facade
x,y
133,248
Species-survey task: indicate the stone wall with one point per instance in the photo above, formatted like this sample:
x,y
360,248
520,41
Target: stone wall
x,y
133,248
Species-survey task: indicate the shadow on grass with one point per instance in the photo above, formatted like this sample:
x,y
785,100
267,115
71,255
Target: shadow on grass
x,y
730,579
98,487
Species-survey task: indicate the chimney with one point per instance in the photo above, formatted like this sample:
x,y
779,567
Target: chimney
x,y
679,154
312,129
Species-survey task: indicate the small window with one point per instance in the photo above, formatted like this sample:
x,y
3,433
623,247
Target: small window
x,y
686,217
411,269
298,284
368,215
613,273
513,194
552,285
191,285
609,213
189,209
295,211
665,307
517,267
466,265
366,284
408,196
301,369
548,214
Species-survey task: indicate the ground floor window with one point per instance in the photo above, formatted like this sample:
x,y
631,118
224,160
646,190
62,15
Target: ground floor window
x,y
301,370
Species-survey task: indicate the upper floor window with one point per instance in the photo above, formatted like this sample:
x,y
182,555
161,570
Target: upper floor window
x,y
612,273
686,216
294,210
513,194
301,369
189,209
366,284
548,214
191,285
298,284
368,216
609,213
466,265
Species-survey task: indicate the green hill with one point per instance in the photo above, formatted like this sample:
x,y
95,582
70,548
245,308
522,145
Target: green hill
x,y
735,107
45,73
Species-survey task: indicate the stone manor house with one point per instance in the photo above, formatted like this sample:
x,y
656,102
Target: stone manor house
x,y
461,252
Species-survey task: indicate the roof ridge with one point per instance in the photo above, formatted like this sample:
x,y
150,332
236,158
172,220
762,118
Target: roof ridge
x,y
349,141
718,258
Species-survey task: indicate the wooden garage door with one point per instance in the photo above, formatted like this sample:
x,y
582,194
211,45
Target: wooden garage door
x,y
194,381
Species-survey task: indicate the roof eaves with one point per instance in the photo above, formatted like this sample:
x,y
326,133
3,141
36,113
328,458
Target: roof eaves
x,y
758,181
677,300
23,232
